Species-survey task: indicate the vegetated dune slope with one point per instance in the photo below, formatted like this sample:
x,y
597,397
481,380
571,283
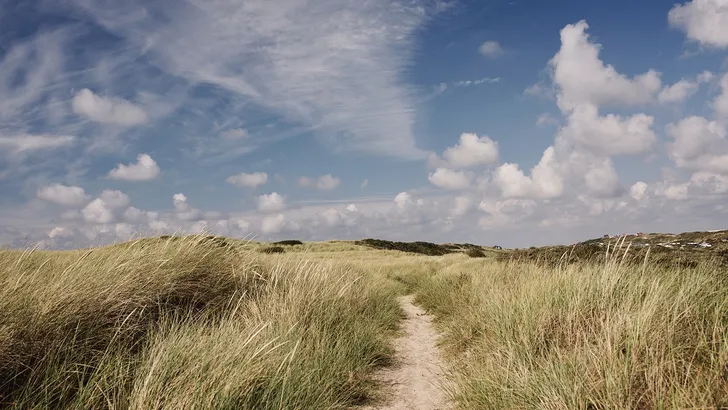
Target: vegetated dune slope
x,y
205,322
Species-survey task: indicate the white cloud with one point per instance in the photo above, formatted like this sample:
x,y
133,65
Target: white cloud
x,y
145,169
133,214
184,211
403,200
19,144
463,205
244,180
273,202
63,194
705,21
364,184
710,182
547,180
158,226
124,231
720,104
471,151
273,224
546,119
330,65
682,89
677,92
241,224
699,145
602,180
326,182
540,90
638,191
676,191
512,182
61,232
114,199
235,134
107,110
102,210
583,79
490,49
468,83
611,134
449,179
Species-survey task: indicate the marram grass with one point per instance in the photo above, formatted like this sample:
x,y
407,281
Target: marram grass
x,y
607,336
170,324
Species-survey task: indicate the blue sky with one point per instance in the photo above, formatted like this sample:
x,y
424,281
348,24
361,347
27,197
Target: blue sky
x,y
508,122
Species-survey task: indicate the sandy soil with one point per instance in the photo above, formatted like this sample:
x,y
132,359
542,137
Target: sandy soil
x,y
416,380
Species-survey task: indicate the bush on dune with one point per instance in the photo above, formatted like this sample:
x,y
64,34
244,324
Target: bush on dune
x,y
289,242
273,249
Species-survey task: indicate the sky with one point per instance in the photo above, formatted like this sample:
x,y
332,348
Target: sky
x,y
507,122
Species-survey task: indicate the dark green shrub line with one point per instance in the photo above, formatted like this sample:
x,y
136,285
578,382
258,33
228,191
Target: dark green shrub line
x,y
288,242
273,249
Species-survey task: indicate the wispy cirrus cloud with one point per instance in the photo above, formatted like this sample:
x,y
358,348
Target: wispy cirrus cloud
x,y
335,68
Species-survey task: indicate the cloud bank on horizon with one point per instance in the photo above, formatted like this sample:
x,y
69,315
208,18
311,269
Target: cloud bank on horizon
x,y
317,120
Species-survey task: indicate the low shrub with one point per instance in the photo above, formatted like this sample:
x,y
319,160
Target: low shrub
x,y
273,249
424,248
475,253
289,242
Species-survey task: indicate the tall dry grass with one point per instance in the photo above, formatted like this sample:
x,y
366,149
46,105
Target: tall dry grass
x,y
188,323
587,336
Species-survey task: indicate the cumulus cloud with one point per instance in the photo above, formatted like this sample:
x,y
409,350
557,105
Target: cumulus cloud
x,y
611,134
244,180
710,182
103,210
490,49
699,145
682,89
471,151
602,180
704,21
133,214
275,224
326,182
512,182
184,211
145,169
583,79
676,191
720,104
638,191
403,200
463,205
63,194
449,179
545,181
272,202
107,110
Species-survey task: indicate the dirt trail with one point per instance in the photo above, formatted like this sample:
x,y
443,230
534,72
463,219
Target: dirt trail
x,y
415,382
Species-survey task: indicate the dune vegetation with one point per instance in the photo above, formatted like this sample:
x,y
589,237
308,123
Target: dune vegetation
x,y
205,322
188,323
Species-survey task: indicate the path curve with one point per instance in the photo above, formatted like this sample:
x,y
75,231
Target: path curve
x,y
416,380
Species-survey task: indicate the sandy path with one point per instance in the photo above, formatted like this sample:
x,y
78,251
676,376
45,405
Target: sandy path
x,y
414,383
